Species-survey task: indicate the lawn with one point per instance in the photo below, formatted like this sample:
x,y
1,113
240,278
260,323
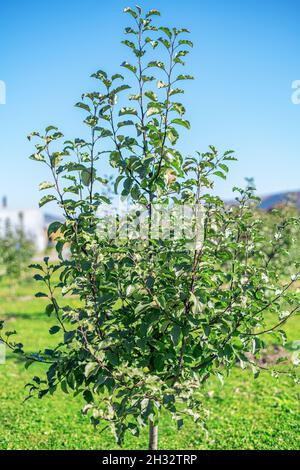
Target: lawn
x,y
244,413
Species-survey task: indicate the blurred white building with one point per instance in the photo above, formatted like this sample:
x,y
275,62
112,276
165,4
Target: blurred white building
x,y
30,221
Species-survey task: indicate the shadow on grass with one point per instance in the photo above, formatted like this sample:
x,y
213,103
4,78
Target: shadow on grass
x,y
13,316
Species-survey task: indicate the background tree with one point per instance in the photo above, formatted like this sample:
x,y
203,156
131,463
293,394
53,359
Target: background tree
x,y
281,227
156,317
16,252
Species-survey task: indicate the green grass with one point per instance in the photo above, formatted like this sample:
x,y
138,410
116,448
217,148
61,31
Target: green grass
x,y
244,413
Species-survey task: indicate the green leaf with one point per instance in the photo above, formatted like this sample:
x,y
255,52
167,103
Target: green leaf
x,y
182,30
147,78
224,167
83,106
176,334
134,97
129,30
117,305
49,309
131,12
121,88
182,122
185,42
220,377
64,386
102,76
37,157
117,182
156,63
69,336
112,358
54,329
184,77
172,135
159,362
167,31
54,227
56,158
220,175
176,91
127,186
86,176
129,44
196,304
125,123
151,95
46,185
100,72
151,111
152,12
127,110
41,294
33,134
51,128
179,108
179,424
128,66
36,266
46,199
29,363
90,368
88,396
116,76
161,84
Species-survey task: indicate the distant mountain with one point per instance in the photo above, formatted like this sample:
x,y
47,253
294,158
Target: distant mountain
x,y
267,203
274,200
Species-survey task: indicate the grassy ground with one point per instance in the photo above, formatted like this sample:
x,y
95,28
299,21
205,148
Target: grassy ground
x,y
245,413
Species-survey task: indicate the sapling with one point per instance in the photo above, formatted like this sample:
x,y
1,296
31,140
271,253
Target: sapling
x,y
16,252
160,310
281,227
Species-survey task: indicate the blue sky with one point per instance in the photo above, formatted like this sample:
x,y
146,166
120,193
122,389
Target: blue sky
x,y
246,56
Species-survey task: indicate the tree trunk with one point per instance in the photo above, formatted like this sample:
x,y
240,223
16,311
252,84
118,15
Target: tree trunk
x,y
153,436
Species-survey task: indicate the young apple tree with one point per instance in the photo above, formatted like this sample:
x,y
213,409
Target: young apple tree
x,y
158,312
16,252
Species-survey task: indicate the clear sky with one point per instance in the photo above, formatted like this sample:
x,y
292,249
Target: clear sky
x,y
246,56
